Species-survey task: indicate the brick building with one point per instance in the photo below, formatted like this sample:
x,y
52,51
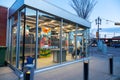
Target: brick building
x,y
3,25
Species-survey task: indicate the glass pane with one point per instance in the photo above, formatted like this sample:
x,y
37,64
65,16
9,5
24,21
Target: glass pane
x,y
30,33
48,41
13,40
80,41
9,41
68,41
28,22
79,45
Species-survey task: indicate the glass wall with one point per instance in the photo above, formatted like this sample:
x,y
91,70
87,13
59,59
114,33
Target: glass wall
x,y
52,39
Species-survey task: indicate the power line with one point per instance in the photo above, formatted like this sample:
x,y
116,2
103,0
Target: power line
x,y
107,20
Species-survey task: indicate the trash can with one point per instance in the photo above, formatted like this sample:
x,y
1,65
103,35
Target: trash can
x,y
2,55
57,56
29,72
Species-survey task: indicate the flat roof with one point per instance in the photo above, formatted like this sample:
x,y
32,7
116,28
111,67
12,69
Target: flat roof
x,y
51,9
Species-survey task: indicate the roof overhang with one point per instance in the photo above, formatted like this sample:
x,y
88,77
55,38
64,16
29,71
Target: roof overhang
x,y
49,8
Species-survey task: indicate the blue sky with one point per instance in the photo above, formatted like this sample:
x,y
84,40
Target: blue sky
x,y
107,10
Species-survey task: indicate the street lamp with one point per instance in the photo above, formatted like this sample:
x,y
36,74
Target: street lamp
x,y
98,22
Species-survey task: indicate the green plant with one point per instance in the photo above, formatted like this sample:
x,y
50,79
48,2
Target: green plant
x,y
45,52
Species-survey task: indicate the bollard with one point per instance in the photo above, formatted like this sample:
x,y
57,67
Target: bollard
x,y
27,75
29,72
86,70
111,65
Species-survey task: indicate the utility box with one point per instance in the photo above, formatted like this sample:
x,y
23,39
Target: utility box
x,y
57,56
2,55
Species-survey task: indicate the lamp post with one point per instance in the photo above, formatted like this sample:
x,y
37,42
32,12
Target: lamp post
x,y
98,22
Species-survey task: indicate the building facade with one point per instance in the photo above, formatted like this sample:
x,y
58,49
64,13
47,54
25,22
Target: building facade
x,y
3,25
49,34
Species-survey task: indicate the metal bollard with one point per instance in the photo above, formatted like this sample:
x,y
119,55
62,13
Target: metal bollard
x,y
111,65
86,70
27,75
29,72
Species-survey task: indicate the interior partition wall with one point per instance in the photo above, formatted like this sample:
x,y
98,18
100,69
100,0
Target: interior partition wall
x,y
49,39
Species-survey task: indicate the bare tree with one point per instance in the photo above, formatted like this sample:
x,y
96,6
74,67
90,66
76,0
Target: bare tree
x,y
83,8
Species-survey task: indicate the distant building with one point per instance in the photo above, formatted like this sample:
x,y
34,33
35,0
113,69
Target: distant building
x,y
111,41
116,37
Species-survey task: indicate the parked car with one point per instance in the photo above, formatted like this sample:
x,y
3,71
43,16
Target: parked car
x,y
116,45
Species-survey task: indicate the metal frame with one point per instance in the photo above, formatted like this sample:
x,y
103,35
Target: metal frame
x,y
87,46
76,26
9,39
61,25
36,47
12,20
23,52
18,40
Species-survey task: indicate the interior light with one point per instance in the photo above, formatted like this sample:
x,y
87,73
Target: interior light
x,y
56,28
80,29
69,26
73,30
53,21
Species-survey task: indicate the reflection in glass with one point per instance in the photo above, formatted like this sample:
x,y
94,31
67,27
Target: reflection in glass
x,y
13,40
28,22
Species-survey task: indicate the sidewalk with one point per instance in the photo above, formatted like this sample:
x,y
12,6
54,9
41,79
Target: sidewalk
x,y
7,74
98,70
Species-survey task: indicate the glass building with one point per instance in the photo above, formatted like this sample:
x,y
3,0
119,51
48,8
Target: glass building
x,y
46,32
